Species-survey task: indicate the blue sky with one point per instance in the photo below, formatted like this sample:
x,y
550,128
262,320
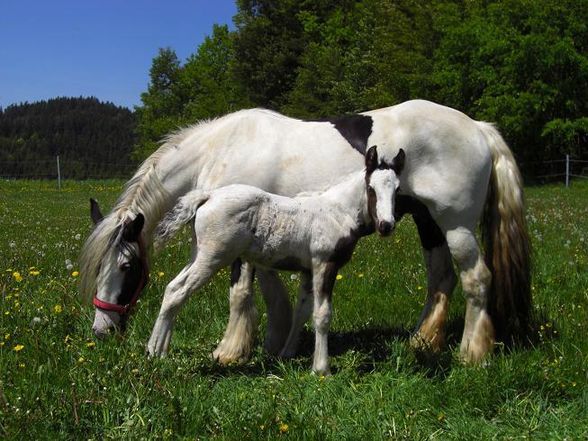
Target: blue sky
x,y
100,48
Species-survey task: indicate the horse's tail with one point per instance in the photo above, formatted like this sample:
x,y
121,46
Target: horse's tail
x,y
181,214
507,244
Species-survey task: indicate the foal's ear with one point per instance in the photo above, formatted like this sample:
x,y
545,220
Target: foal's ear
x,y
95,212
132,229
371,159
398,162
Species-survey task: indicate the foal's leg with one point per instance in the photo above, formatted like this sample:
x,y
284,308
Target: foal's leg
x,y
191,278
478,333
279,311
323,279
240,333
301,315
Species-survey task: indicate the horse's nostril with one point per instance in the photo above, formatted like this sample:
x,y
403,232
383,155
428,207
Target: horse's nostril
x,y
100,333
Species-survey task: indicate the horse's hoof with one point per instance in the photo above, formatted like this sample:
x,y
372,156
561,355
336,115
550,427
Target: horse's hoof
x,y
433,345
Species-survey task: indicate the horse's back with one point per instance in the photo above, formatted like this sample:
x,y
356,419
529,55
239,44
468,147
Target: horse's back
x,y
448,160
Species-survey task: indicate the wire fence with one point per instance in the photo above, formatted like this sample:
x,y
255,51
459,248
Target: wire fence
x,y
562,170
58,169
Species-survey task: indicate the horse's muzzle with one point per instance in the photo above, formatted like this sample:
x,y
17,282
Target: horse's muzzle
x,y
385,228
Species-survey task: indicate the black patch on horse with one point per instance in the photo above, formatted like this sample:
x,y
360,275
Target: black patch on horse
x,y
132,277
429,232
236,271
356,129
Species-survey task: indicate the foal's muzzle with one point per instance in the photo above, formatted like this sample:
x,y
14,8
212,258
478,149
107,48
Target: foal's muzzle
x,y
385,228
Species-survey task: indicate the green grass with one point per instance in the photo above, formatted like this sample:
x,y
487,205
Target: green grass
x,y
61,384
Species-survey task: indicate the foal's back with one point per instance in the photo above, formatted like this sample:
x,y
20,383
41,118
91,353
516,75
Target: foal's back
x,y
268,229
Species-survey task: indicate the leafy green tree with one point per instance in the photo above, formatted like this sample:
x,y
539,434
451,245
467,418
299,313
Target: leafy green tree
x,y
162,103
521,64
207,83
179,95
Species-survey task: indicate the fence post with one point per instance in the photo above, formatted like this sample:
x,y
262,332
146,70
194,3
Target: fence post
x,y
567,171
58,174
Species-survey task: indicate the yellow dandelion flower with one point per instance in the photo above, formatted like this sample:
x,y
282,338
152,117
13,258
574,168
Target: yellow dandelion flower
x,y
18,348
339,277
57,309
90,344
21,365
34,272
160,274
75,274
81,360
17,276
6,336
360,275
283,427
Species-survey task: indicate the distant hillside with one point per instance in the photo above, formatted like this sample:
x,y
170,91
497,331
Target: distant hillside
x,y
93,139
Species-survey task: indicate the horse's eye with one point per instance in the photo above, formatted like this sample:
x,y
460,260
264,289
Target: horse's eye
x,y
125,266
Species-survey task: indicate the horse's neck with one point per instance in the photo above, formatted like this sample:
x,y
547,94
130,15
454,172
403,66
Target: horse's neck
x,y
349,196
152,193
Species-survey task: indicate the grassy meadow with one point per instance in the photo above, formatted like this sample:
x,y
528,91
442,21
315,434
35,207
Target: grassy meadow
x,y
57,382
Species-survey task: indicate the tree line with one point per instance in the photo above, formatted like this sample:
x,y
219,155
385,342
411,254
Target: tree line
x,y
93,139
522,64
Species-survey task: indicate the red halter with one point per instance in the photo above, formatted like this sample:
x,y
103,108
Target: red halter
x,y
124,309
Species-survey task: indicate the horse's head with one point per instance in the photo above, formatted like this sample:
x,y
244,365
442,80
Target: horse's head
x,y
122,274
382,183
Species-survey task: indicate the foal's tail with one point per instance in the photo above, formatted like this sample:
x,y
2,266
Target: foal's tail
x,y
506,240
182,213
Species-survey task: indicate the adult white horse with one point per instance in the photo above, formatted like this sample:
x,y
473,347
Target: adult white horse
x,y
456,170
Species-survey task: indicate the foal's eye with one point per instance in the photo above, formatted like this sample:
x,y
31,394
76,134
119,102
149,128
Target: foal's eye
x,y
125,266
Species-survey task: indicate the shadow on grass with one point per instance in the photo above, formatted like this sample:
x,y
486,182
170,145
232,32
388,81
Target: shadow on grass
x,y
375,353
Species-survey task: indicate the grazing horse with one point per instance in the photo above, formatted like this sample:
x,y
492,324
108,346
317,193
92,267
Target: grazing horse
x,y
457,172
315,235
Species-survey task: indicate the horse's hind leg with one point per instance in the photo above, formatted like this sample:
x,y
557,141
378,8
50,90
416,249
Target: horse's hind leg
x,y
430,331
441,280
279,311
240,333
191,278
301,315
478,333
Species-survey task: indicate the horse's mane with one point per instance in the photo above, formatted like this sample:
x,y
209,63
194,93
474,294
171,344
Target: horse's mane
x,y
143,193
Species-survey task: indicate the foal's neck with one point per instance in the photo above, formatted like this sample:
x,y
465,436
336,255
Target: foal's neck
x,y
351,198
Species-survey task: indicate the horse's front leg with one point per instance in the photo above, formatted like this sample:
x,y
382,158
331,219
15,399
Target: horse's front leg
x,y
240,333
323,279
301,314
177,292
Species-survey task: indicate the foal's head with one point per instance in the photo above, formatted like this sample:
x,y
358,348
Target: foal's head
x,y
382,183
122,275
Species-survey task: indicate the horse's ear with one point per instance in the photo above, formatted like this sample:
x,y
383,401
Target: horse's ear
x,y
132,229
95,212
371,159
398,162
